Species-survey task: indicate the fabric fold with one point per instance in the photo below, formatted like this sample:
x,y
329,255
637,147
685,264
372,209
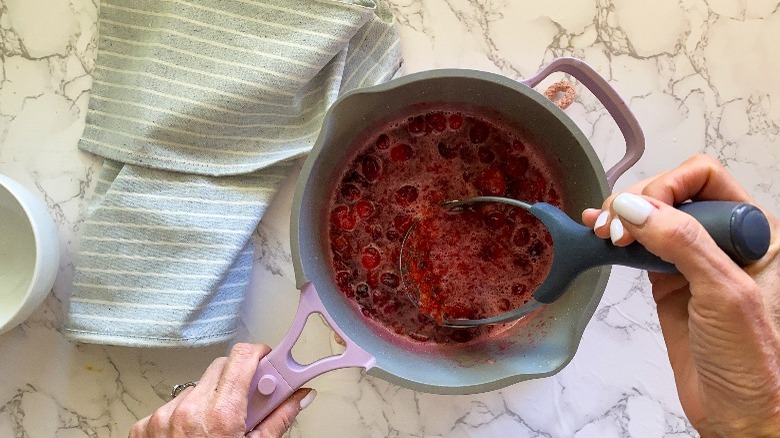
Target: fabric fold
x,y
199,107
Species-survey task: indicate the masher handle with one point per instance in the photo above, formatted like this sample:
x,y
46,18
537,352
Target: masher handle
x,y
741,230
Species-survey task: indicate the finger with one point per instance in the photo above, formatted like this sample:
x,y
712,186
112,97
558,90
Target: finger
x,y
159,423
601,224
589,216
210,378
138,430
673,317
701,177
605,225
639,186
618,234
604,221
232,390
280,420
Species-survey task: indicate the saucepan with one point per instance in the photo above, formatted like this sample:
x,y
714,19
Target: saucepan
x,y
539,345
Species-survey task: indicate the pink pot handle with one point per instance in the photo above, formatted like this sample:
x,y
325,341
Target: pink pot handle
x,y
617,108
279,375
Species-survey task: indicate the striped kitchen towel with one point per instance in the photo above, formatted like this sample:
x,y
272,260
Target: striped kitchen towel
x,y
199,106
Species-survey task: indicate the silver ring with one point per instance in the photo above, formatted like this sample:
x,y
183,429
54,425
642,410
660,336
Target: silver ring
x,y
177,389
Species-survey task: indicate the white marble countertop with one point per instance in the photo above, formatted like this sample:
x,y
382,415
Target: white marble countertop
x,y
701,76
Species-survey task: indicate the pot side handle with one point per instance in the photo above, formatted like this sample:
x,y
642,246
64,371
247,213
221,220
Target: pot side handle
x,y
615,105
278,375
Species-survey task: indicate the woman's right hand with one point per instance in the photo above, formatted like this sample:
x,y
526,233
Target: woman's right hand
x,y
720,322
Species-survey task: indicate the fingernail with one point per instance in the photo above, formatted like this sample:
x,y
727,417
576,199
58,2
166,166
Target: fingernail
x,y
306,401
601,220
632,208
615,230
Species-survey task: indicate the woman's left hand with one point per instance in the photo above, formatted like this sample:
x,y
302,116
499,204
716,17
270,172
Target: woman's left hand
x,y
217,406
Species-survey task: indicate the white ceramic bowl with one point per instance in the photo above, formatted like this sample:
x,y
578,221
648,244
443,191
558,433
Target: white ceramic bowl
x,y
29,253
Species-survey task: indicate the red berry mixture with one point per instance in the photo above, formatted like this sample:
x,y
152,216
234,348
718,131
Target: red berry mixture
x,y
490,254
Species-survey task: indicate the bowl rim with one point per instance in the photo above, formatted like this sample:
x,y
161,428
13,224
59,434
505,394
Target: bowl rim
x,y
23,196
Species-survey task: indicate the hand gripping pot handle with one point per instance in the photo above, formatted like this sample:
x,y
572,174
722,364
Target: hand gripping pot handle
x,y
279,375
615,105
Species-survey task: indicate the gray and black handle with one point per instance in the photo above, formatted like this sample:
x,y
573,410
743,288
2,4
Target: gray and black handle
x,y
741,230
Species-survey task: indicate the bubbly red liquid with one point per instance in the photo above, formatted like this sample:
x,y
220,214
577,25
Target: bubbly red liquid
x,y
480,262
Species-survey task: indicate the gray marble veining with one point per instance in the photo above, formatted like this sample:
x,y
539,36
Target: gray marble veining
x,y
700,76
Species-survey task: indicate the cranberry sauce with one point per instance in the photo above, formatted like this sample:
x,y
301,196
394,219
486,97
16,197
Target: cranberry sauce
x,y
490,253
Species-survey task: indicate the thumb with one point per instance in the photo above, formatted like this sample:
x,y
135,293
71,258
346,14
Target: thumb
x,y
679,239
278,421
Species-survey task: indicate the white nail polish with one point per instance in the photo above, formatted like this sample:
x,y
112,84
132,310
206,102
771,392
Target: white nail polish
x,y
632,208
601,220
615,230
306,401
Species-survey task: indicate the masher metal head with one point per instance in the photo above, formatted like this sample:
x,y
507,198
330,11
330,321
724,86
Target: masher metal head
x,y
576,249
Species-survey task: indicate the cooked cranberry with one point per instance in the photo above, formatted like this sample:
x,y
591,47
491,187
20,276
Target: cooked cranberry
x,y
479,132
504,305
371,168
392,235
401,152
406,195
491,251
522,237
437,121
356,178
485,155
370,258
519,288
376,232
523,265
530,189
456,121
491,182
467,154
516,166
383,142
448,150
417,126
364,208
344,218
518,145
340,245
389,279
350,192
402,223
